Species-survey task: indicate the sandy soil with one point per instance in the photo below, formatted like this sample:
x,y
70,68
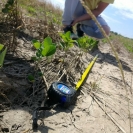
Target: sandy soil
x,y
101,107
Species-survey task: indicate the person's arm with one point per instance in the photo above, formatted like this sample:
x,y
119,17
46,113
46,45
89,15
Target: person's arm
x,y
96,12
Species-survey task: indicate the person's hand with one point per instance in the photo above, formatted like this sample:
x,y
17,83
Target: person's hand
x,y
74,22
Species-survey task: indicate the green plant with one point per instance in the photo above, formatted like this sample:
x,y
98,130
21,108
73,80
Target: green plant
x,y
66,41
3,51
87,43
9,6
53,18
128,47
31,9
44,49
104,40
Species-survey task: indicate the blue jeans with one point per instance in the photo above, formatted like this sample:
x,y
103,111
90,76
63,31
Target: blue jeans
x,y
74,9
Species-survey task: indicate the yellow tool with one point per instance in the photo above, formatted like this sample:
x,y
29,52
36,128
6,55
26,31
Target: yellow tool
x,y
86,72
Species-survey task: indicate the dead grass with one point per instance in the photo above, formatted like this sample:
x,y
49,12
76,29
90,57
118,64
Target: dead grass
x,y
41,7
33,15
9,24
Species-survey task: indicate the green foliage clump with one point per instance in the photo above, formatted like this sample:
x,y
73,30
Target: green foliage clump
x,y
8,7
126,42
46,48
53,18
31,9
87,43
128,47
66,40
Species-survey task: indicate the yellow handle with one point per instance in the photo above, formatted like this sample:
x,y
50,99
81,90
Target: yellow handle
x,y
86,72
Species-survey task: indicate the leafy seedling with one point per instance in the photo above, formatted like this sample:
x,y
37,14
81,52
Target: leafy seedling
x,y
66,41
87,43
93,44
44,49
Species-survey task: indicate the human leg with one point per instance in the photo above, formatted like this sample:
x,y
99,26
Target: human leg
x,y
70,6
90,28
74,9
67,18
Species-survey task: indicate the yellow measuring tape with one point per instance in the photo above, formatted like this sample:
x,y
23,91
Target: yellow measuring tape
x,y
86,72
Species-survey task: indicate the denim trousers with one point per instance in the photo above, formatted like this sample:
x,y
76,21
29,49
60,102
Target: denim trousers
x,y
74,9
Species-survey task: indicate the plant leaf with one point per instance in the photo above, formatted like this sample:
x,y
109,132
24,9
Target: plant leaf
x,y
49,50
40,74
2,57
71,41
36,44
38,54
70,45
1,46
5,10
31,78
47,41
68,35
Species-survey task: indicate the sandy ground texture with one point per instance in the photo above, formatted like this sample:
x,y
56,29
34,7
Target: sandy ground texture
x,y
103,104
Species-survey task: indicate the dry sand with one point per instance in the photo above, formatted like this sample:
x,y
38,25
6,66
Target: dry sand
x,y
101,107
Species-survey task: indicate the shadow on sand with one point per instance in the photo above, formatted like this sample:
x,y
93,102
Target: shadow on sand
x,y
23,98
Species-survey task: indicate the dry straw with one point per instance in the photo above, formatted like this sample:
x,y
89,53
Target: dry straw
x,y
113,49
